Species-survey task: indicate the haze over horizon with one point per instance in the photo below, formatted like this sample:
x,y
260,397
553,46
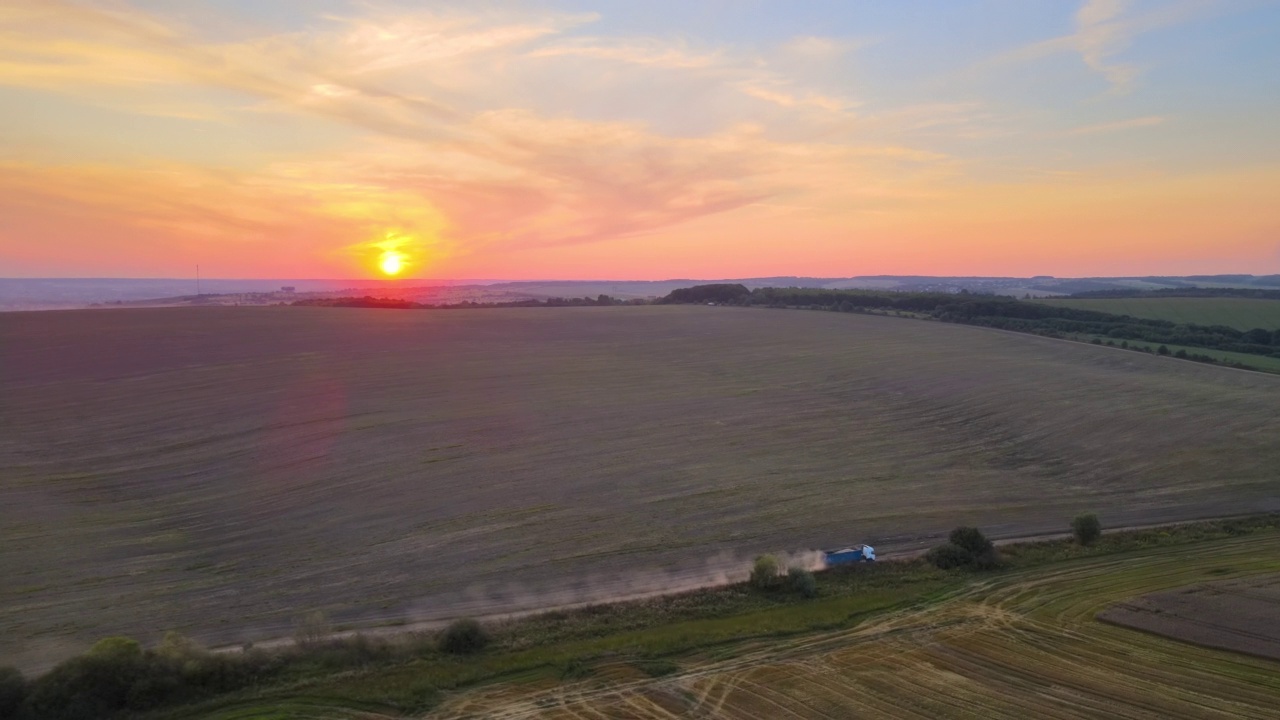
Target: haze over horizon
x,y
604,140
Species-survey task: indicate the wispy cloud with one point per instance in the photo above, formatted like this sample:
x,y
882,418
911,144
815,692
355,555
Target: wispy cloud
x,y
1100,34
466,134
1104,29
652,53
1118,125
436,91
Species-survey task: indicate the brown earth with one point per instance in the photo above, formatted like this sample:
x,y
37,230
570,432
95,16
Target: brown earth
x,y
221,471
1240,615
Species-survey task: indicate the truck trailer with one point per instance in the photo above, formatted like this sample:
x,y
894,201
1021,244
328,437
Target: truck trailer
x,y
861,553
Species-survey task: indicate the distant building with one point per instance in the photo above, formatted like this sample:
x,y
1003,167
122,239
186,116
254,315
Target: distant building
x,y
288,289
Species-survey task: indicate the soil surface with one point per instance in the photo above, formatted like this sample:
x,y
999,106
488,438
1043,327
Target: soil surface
x,y
1242,615
222,472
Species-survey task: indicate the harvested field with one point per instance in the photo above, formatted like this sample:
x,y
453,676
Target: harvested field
x,y
222,471
1240,615
1020,645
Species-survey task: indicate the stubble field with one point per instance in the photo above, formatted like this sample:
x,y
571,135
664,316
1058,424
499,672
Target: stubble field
x,y
222,471
1013,646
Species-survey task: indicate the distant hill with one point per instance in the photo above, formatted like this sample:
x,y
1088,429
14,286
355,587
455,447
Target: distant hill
x,y
50,293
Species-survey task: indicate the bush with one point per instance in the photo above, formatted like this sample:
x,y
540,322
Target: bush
x,y
967,547
178,648
311,629
988,559
1086,528
657,668
971,539
576,669
766,574
95,685
13,689
463,637
802,582
949,557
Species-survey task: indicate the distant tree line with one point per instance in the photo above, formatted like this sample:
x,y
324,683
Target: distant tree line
x,y
369,301
725,293
1192,292
1005,313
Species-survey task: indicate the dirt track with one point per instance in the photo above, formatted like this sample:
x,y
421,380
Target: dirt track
x,y
391,625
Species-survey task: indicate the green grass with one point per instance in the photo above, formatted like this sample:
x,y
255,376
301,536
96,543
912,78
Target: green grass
x,y
1263,363
222,471
1239,313
1015,644
1003,634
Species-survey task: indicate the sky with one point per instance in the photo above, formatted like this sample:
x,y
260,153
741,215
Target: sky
x,y
564,139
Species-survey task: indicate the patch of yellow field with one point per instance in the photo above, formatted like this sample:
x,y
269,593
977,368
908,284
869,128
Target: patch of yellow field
x,y
1023,645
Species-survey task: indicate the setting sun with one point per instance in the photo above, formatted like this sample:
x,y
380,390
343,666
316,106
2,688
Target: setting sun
x,y
391,262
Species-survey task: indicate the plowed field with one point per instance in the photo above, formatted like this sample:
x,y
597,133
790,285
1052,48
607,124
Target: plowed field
x,y
1241,615
222,471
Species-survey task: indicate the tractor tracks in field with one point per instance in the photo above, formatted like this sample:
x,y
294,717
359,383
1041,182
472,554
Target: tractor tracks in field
x,y
1018,645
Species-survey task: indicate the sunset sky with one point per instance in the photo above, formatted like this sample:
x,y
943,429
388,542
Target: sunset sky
x,y
638,140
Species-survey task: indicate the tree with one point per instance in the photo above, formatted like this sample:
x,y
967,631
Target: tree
x,y
1258,336
463,637
116,648
766,574
311,629
1086,528
95,685
971,539
718,292
1163,350
177,647
13,689
802,582
967,547
949,557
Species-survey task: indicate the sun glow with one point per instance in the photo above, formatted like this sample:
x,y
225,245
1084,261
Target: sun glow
x,y
391,262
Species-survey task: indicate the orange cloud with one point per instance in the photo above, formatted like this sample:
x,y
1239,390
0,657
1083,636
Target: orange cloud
x,y
490,144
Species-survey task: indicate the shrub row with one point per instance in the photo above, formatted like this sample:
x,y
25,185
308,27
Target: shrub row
x,y
117,676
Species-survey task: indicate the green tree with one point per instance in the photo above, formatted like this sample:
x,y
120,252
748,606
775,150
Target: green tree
x,y
949,557
179,648
1086,528
982,553
13,689
1163,350
766,573
971,539
1258,336
802,582
116,648
311,629
95,685
464,637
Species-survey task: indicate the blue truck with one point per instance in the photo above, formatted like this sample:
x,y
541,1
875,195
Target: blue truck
x,y
861,553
